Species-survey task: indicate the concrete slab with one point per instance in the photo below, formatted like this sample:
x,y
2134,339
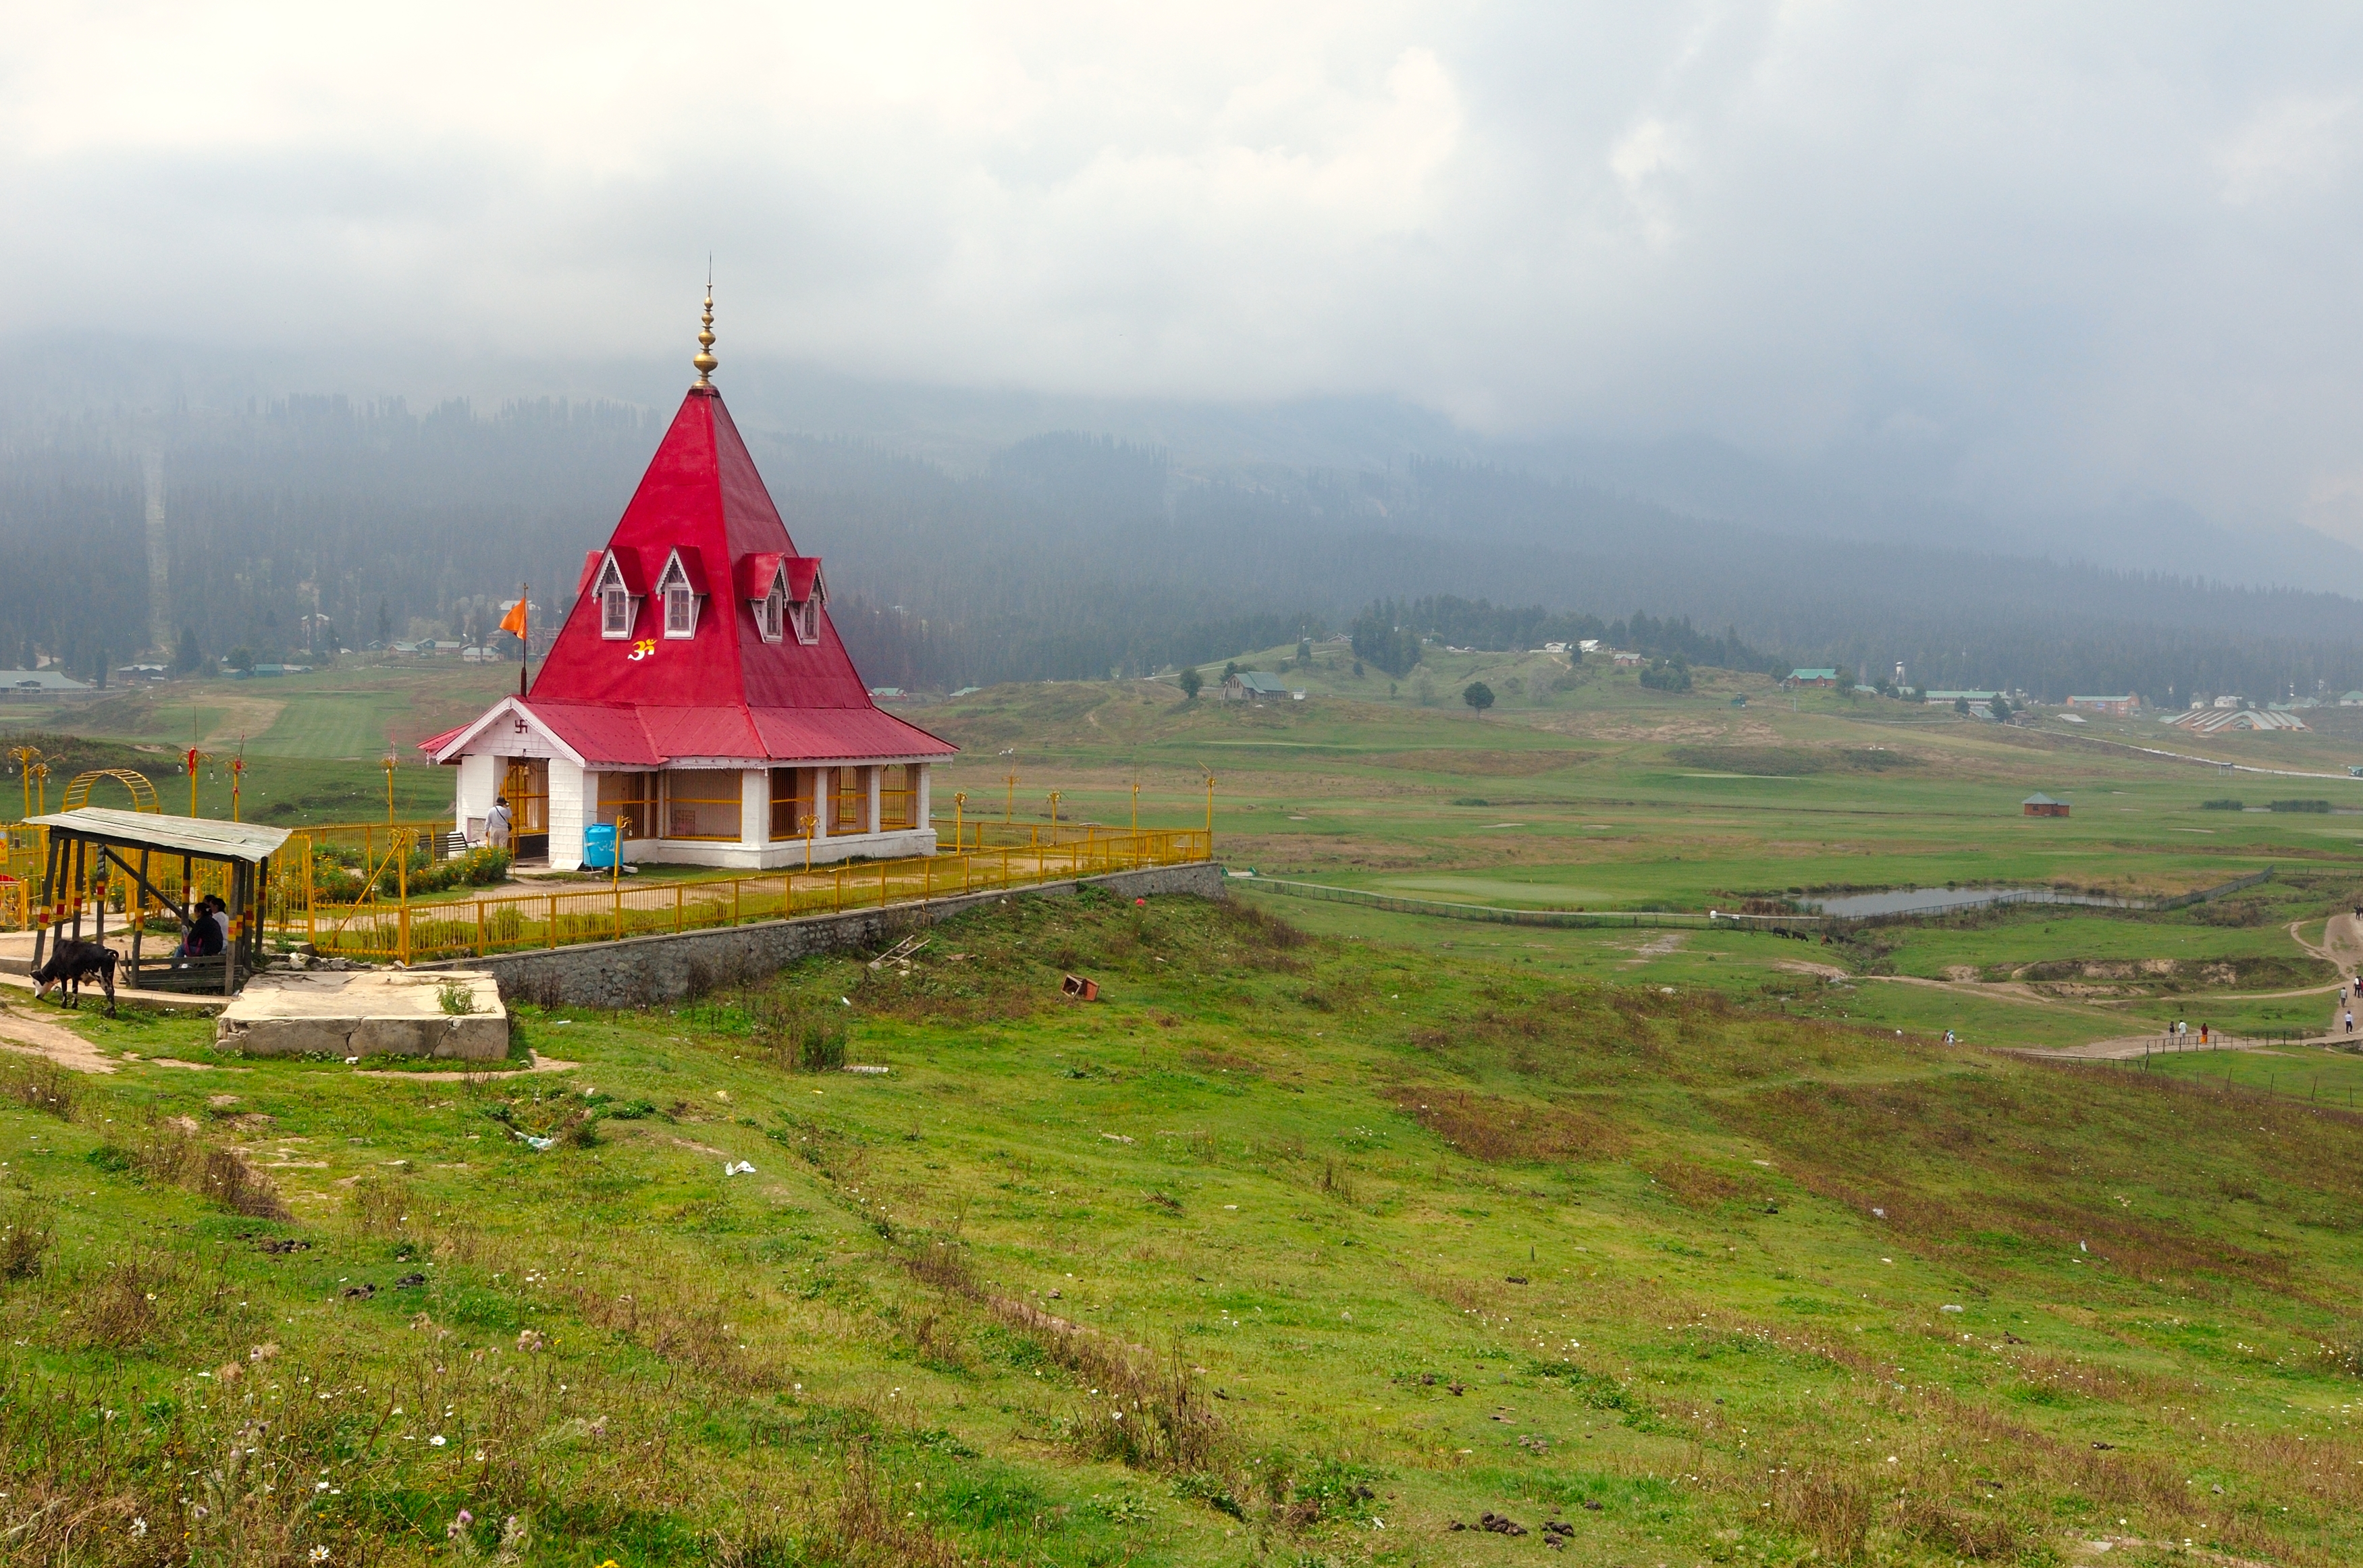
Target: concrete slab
x,y
367,1013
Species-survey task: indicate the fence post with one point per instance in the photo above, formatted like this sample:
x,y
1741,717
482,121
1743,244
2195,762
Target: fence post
x,y
882,883
553,920
480,928
679,888
837,903
738,884
619,912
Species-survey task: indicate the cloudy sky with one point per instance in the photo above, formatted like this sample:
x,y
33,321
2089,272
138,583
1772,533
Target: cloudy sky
x,y
2049,252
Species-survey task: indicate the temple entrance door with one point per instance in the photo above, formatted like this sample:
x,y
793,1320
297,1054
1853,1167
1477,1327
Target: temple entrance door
x,y
526,781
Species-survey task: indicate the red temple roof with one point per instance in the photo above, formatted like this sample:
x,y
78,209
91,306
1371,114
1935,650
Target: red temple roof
x,y
721,692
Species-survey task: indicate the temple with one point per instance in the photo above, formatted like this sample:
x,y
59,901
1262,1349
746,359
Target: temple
x,y
697,696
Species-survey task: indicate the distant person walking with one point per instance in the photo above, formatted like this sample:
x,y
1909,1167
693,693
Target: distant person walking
x,y
2202,1037
497,823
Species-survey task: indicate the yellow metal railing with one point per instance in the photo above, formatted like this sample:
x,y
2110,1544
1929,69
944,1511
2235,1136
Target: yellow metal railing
x,y
409,932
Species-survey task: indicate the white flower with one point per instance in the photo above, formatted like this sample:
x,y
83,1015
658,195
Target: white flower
x,y
437,1440
320,1554
138,1527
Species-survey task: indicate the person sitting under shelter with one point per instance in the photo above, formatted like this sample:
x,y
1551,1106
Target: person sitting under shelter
x,y
210,935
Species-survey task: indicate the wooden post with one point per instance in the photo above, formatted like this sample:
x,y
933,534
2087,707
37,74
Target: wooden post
x,y
139,926
48,899
74,880
237,929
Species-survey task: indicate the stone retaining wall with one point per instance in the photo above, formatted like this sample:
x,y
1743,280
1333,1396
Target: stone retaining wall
x,y
640,971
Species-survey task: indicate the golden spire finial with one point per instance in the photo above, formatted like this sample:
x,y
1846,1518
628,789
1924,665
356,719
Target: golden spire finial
x,y
705,359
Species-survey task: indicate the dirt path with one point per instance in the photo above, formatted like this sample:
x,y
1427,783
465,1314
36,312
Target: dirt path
x,y
20,1032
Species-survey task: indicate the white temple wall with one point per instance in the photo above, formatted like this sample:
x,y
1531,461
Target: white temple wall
x,y
573,799
478,781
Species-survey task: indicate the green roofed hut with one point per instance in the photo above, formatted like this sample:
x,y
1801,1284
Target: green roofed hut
x,y
2040,805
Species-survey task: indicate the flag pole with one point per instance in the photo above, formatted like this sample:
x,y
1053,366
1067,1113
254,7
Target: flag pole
x,y
525,617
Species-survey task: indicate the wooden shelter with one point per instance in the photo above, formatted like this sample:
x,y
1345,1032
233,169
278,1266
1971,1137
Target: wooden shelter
x,y
84,843
2043,806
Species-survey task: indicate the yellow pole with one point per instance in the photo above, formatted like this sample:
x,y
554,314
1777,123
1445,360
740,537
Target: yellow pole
x,y
26,755
812,822
960,811
1009,807
389,792
1054,816
1135,808
237,773
41,788
402,887
1210,816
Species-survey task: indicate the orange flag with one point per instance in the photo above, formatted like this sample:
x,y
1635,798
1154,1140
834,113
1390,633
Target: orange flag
x,y
514,621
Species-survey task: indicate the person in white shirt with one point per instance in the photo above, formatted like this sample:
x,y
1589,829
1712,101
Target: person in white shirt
x,y
496,824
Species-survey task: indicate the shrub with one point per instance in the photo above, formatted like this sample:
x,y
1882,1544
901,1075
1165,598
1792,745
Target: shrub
x,y
811,1040
1667,674
2298,806
26,1233
2226,804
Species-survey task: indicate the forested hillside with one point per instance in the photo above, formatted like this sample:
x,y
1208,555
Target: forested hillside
x,y
1064,556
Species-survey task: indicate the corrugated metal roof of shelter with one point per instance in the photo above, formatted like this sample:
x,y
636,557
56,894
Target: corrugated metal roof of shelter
x,y
201,836
2041,800
1261,680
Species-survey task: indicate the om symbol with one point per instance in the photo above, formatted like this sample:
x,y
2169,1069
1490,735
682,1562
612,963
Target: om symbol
x,y
644,648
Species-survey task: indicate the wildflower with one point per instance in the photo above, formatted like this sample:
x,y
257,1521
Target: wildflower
x,y
320,1554
138,1527
461,1522
438,1440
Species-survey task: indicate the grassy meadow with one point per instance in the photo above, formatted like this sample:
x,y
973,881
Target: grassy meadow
x,y
1330,1234
1292,1249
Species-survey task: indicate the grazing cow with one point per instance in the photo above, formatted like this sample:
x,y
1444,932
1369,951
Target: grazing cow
x,y
73,962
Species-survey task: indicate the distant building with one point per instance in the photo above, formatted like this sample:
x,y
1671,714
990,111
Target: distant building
x,y
2043,806
1252,685
2115,707
50,679
2227,702
1624,659
2352,700
1813,677
2215,721
1972,698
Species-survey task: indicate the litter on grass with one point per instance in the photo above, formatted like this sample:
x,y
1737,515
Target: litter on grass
x,y
1077,987
536,1144
870,1067
738,1167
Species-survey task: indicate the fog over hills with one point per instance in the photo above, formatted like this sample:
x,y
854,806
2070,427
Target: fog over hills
x,y
976,535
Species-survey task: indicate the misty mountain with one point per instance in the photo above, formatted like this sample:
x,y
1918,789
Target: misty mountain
x,y
972,536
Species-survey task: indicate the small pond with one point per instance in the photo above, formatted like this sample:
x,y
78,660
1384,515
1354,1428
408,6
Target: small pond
x,y
1937,900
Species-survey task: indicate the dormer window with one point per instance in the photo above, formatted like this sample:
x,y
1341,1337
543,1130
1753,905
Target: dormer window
x,y
783,593
616,602
679,599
